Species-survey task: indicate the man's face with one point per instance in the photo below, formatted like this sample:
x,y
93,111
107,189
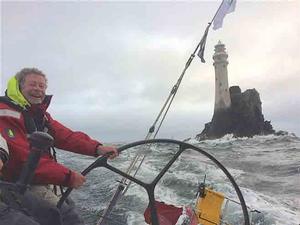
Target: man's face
x,y
34,88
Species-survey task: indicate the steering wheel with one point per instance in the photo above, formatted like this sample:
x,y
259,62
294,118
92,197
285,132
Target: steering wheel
x,y
150,187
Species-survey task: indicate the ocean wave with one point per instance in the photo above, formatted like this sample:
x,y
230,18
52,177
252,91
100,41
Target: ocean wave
x,y
266,168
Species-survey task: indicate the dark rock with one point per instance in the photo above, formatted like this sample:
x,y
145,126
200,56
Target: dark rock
x,y
220,124
234,90
203,135
243,119
281,133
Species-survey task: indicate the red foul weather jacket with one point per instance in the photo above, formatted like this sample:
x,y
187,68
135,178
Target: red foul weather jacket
x,y
13,130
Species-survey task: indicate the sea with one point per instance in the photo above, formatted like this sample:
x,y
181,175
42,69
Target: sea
x,y
266,168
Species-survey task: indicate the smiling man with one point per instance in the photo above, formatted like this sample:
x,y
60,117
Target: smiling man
x,y
33,87
23,110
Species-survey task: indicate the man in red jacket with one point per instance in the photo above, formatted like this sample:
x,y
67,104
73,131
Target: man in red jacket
x,y
23,111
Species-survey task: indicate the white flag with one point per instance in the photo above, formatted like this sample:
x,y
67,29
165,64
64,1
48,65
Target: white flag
x,y
226,7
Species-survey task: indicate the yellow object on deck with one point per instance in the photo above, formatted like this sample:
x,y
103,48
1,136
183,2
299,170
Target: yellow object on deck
x,y
209,208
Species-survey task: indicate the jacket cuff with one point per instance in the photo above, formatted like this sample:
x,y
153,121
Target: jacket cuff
x,y
97,153
67,179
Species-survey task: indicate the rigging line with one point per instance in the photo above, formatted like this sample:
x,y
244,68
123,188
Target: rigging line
x,y
164,116
135,172
152,128
167,104
174,91
121,186
201,45
175,88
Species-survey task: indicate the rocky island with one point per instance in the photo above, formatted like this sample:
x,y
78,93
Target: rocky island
x,y
236,112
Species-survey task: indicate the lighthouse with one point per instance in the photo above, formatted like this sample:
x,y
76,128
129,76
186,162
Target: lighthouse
x,y
238,113
221,121
222,95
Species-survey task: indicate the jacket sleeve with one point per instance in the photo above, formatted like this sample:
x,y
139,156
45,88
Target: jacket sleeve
x,y
73,141
51,172
13,131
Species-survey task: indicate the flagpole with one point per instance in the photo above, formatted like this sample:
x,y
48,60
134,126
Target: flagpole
x,y
217,11
188,63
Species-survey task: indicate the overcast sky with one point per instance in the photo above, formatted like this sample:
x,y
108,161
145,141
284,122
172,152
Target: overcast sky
x,y
111,65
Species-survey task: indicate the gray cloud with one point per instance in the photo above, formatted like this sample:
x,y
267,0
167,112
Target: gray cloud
x,y
111,65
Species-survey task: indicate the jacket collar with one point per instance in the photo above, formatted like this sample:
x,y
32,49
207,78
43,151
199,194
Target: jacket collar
x,y
14,93
42,107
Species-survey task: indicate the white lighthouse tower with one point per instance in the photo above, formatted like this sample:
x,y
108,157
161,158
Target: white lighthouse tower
x,y
222,96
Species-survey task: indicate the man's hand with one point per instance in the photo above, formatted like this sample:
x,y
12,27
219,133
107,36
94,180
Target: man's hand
x,y
76,180
102,150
